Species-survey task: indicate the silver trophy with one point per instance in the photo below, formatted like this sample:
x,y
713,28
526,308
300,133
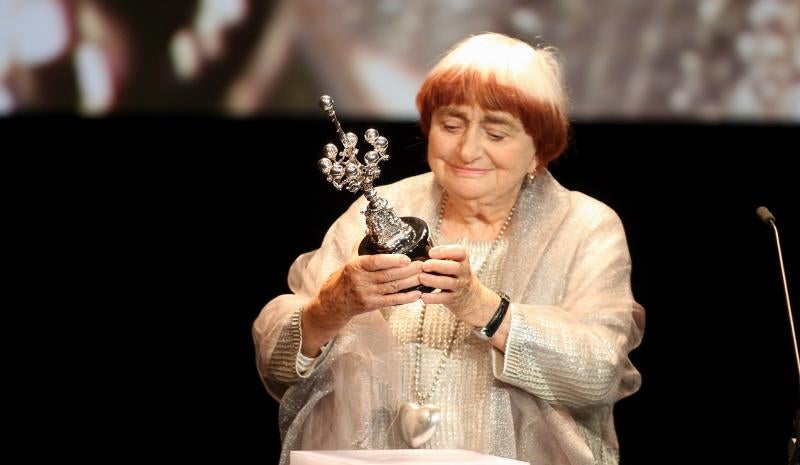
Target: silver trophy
x,y
386,232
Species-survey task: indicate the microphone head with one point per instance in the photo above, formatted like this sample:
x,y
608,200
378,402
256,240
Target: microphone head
x,y
766,216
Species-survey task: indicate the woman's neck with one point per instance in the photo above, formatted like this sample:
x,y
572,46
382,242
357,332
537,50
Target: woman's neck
x,y
478,220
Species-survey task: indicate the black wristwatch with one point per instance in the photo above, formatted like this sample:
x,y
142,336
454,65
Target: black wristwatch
x,y
491,327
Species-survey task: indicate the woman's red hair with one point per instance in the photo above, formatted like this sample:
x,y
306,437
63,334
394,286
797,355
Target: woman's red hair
x,y
498,73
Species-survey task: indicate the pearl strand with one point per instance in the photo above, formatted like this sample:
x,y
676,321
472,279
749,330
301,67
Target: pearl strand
x,y
418,352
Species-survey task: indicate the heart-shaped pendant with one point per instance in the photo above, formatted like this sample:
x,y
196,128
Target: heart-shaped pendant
x,y
418,423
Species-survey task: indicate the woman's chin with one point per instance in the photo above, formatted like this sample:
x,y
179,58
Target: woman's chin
x,y
463,191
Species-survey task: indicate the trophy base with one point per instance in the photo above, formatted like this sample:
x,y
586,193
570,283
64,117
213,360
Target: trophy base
x,y
416,249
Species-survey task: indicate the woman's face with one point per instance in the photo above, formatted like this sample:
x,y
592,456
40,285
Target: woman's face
x,y
477,154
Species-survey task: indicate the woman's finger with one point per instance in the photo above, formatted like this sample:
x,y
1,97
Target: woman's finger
x,y
449,252
437,297
382,261
448,267
445,283
393,274
399,298
397,286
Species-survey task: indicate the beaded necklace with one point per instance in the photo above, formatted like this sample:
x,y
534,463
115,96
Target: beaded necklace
x,y
418,420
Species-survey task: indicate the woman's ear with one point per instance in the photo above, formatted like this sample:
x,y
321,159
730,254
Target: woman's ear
x,y
534,164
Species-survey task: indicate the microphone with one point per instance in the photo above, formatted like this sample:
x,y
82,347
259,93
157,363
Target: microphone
x,y
769,219
766,216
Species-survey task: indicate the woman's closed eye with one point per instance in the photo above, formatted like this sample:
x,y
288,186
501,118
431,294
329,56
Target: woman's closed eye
x,y
451,127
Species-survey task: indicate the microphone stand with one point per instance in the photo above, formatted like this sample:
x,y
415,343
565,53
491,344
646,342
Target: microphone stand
x,y
794,443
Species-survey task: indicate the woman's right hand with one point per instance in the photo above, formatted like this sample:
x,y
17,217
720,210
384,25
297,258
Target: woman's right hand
x,y
363,284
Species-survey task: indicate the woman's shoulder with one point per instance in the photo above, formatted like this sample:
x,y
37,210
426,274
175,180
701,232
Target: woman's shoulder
x,y
593,213
585,208
585,202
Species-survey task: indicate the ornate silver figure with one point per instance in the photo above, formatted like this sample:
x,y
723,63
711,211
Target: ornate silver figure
x,y
386,232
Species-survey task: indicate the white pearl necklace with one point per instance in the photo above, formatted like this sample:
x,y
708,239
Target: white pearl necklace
x,y
422,398
418,420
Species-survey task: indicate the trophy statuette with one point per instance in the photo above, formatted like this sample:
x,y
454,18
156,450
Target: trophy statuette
x,y
386,232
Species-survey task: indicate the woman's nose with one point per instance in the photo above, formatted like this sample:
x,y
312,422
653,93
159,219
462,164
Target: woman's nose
x,y
470,148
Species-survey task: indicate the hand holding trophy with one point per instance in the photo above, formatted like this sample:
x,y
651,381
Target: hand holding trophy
x,y
386,232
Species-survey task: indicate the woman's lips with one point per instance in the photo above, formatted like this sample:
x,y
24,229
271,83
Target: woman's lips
x,y
467,172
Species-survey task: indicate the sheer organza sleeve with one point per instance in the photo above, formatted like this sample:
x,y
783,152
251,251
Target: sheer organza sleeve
x,y
575,352
277,333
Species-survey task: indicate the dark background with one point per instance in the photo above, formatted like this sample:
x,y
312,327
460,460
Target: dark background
x,y
164,237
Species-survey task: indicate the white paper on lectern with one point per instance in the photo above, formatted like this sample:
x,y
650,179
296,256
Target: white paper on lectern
x,y
397,457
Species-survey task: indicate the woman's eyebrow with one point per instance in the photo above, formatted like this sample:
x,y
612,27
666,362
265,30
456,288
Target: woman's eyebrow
x,y
498,118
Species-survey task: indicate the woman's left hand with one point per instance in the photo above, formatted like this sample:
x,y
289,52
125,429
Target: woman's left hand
x,y
462,293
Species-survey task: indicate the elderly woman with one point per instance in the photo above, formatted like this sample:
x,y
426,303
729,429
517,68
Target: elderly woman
x,y
522,350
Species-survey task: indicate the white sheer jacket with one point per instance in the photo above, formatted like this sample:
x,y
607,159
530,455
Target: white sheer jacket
x,y
547,399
